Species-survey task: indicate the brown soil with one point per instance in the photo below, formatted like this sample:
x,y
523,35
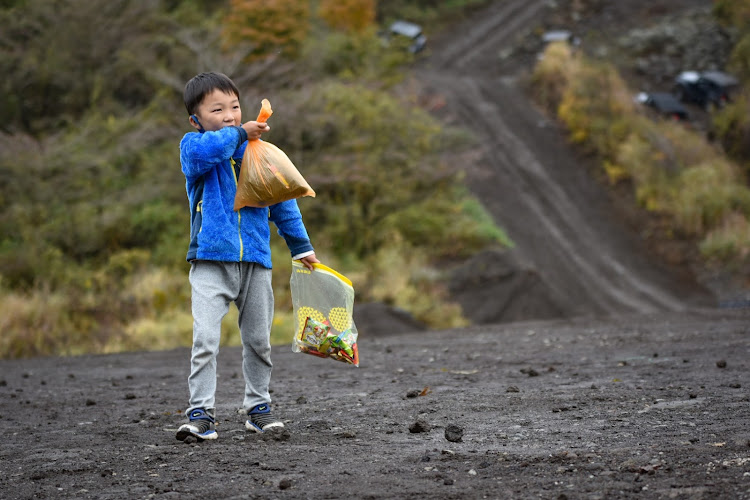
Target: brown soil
x,y
638,392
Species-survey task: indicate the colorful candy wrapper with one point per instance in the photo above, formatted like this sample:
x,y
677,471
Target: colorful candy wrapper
x,y
316,339
323,302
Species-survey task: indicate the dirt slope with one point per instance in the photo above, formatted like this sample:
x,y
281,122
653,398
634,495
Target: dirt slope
x,y
561,220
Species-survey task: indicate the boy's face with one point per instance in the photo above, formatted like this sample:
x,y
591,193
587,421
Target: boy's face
x,y
218,110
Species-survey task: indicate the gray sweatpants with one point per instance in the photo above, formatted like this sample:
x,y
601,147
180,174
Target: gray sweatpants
x,y
214,286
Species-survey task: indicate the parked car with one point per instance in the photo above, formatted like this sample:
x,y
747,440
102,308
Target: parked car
x,y
557,36
664,104
560,36
412,31
706,89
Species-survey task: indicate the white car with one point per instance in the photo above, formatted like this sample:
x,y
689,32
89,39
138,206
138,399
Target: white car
x,y
411,31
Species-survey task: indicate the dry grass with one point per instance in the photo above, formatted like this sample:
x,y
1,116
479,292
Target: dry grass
x,y
675,171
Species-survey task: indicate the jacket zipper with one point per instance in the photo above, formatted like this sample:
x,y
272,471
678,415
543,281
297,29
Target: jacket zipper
x,y
239,217
199,208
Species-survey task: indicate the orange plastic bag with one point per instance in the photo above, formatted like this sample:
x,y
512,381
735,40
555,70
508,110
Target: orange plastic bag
x,y
267,175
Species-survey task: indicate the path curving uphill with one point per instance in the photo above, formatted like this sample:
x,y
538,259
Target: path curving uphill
x,y
534,185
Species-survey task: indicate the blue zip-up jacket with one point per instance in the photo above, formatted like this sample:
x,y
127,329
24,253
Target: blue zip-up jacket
x,y
211,163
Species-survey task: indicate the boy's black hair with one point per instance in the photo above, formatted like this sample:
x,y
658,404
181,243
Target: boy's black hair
x,y
205,83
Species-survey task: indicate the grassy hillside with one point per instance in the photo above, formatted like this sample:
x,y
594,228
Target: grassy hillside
x,y
95,221
687,185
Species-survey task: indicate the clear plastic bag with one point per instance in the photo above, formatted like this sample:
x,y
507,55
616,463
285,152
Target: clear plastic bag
x,y
323,302
267,175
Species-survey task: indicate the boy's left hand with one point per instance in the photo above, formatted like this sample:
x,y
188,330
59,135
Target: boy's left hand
x,y
309,261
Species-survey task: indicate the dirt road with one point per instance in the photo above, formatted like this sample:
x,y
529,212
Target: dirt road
x,y
561,220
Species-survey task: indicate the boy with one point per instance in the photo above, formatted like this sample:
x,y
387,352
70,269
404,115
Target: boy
x,y
229,253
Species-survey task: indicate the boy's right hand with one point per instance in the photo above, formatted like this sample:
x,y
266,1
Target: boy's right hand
x,y
255,129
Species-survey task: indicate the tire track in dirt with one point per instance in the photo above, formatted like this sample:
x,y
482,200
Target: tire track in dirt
x,y
476,37
608,284
533,184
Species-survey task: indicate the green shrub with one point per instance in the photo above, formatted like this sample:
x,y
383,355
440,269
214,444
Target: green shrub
x,y
356,56
595,107
704,197
674,171
732,128
550,76
729,243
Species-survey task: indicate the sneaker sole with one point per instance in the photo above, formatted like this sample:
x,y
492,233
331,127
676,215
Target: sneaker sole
x,y
252,427
182,434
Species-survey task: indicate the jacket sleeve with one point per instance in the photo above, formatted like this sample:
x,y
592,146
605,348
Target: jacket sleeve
x,y
201,151
288,220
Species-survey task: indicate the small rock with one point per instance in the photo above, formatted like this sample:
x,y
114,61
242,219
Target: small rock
x,y
90,402
512,388
130,396
448,481
472,472
454,433
721,363
276,434
735,386
413,393
190,440
301,400
420,425
629,465
285,484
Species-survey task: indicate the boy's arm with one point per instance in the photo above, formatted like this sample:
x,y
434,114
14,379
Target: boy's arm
x,y
288,220
199,152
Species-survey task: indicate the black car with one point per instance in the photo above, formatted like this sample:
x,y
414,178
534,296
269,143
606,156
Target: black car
x,y
707,89
665,104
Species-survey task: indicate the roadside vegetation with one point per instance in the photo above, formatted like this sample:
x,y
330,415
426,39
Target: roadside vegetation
x,y
692,188
95,221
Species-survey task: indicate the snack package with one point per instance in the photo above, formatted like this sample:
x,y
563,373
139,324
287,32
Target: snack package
x,y
323,302
267,175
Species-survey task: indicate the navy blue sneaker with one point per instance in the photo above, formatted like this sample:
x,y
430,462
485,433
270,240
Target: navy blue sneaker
x,y
201,425
260,419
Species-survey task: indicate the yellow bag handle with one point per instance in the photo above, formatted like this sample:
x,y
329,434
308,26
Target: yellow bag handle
x,y
318,265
